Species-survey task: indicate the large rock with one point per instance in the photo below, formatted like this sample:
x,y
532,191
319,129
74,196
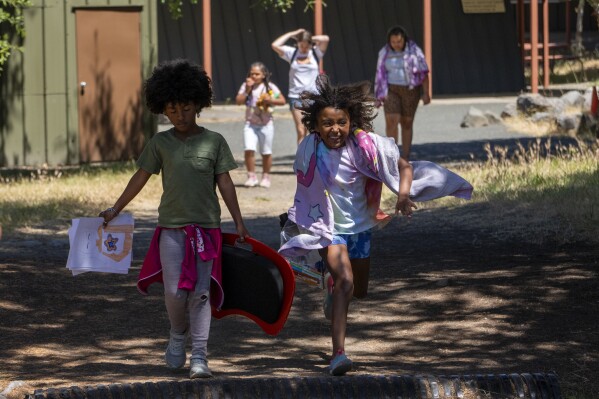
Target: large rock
x,y
556,105
570,112
474,118
532,103
510,111
542,117
492,117
573,98
568,121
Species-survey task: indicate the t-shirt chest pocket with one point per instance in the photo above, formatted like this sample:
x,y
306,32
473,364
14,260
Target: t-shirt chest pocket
x,y
201,160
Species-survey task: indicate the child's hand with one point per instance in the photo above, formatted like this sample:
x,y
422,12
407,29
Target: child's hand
x,y
108,215
404,205
426,99
249,83
242,232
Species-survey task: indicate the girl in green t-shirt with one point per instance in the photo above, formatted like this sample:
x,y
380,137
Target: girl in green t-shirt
x,y
186,248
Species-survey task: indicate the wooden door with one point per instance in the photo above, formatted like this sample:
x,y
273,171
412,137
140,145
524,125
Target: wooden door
x,y
110,83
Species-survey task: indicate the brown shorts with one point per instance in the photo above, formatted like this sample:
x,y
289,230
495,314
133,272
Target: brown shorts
x,y
402,100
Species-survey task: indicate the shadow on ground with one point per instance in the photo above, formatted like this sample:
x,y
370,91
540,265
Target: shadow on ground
x,y
444,298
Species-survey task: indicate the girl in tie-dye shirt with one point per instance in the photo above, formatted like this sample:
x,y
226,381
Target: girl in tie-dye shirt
x,y
340,170
333,114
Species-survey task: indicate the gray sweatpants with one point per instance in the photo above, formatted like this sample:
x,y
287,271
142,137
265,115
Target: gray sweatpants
x,y
178,302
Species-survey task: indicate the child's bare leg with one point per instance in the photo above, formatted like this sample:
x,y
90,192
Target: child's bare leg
x,y
299,126
339,266
266,163
407,124
391,125
250,162
361,272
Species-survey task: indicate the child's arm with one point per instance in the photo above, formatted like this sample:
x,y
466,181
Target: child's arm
x,y
227,190
280,41
241,97
270,100
136,183
426,98
404,203
321,41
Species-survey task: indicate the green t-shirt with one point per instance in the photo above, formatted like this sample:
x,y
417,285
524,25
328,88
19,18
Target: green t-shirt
x,y
189,170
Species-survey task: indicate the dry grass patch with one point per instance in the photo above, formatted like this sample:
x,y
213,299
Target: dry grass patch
x,y
535,129
58,196
538,194
524,125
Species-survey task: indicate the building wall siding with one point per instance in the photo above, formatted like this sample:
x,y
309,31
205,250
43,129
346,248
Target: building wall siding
x,y
39,88
473,54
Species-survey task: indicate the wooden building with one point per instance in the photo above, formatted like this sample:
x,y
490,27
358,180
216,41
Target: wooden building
x,y
74,94
472,53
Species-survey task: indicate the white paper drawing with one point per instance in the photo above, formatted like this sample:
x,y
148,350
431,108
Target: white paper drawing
x,y
94,247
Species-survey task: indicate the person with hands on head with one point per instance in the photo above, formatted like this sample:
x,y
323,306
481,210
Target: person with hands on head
x,y
304,68
401,80
259,95
185,252
340,169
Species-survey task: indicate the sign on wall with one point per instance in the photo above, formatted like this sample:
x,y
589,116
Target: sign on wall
x,y
483,6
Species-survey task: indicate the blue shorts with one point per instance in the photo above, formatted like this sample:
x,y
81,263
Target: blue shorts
x,y
358,245
294,103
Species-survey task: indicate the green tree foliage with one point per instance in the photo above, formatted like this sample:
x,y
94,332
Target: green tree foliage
x,y
11,22
174,6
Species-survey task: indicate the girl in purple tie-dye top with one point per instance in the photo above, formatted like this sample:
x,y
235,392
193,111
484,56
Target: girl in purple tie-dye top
x,y
340,170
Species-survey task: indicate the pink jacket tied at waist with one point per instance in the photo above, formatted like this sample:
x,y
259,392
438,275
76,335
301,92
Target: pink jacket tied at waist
x,y
374,156
415,68
206,242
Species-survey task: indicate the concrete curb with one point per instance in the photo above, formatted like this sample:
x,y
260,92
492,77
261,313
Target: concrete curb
x,y
526,385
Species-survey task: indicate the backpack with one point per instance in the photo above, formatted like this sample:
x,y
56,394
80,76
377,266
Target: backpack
x,y
295,54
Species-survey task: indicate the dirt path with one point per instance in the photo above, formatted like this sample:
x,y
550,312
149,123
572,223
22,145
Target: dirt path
x,y
446,297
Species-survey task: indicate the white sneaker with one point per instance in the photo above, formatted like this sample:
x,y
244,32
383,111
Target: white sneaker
x,y
252,181
175,351
265,182
199,369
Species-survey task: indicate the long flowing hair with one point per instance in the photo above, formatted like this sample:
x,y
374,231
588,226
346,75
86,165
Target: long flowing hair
x,y
355,98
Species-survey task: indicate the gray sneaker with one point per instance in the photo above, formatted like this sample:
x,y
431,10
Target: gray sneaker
x,y
340,364
175,351
199,369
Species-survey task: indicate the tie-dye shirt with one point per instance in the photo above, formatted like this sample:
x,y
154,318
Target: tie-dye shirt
x,y
415,67
346,187
375,157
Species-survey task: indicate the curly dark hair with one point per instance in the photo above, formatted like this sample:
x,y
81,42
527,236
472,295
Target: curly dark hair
x,y
178,82
355,98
